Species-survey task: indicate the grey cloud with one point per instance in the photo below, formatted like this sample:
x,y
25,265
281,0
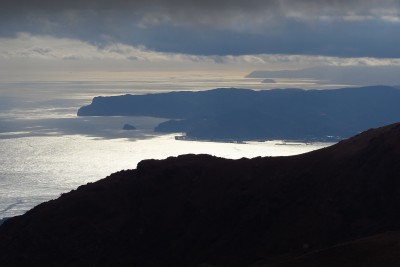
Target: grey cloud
x,y
123,4
341,39
196,11
133,58
41,51
193,4
70,58
212,27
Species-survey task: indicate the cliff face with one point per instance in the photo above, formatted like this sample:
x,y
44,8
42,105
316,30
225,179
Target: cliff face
x,y
198,209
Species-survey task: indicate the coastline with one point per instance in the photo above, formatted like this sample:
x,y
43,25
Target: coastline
x,y
284,141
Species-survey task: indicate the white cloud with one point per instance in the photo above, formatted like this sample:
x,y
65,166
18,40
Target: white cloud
x,y
27,46
301,60
27,53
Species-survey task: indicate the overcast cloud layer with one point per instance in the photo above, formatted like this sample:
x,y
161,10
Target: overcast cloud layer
x,y
354,28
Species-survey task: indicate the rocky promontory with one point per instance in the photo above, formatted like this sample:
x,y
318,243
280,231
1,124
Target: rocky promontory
x,y
241,114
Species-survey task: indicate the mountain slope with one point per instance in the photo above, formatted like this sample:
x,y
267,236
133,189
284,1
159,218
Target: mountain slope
x,y
198,209
379,250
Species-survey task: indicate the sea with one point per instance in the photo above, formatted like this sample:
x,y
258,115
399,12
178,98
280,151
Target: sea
x,y
46,150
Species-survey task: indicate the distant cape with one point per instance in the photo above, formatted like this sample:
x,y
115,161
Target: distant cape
x,y
242,114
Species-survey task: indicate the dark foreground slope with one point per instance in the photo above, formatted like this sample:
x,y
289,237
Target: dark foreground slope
x,y
379,250
239,114
194,210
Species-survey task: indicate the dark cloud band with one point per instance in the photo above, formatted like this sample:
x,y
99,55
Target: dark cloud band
x,y
209,27
244,6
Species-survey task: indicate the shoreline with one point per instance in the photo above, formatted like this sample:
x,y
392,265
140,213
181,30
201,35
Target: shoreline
x,y
333,139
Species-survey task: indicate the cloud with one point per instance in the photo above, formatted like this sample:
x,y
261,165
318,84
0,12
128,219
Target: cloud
x,y
227,27
45,48
193,11
27,46
28,57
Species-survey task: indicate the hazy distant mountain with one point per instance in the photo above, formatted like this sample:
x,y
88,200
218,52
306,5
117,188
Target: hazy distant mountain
x,y
193,210
128,127
350,75
241,114
268,81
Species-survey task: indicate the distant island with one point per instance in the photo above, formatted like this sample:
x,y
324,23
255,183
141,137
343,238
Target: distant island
x,y
242,114
338,206
128,127
268,81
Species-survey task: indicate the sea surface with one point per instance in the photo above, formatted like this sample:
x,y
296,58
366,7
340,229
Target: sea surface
x,y
37,169
46,150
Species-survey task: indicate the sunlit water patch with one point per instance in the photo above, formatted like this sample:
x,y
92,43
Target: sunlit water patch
x,y
37,169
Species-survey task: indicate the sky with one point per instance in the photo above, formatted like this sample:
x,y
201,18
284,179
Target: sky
x,y
79,36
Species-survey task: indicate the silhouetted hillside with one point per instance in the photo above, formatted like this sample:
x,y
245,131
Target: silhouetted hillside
x,y
241,114
198,209
379,250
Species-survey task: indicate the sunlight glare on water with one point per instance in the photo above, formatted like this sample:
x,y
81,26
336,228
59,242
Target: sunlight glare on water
x,y
37,169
